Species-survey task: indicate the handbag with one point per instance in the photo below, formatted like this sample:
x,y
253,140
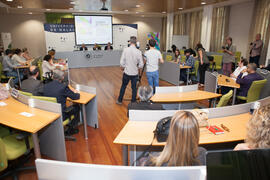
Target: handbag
x,y
162,129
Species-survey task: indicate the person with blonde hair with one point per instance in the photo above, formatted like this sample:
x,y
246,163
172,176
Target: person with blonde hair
x,y
181,148
258,130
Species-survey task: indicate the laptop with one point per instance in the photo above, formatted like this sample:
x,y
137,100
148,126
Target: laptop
x,y
238,165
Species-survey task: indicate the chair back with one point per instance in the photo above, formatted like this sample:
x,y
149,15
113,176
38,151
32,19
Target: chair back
x,y
169,58
225,99
237,56
43,98
3,156
255,90
183,59
25,93
182,52
1,71
218,61
40,70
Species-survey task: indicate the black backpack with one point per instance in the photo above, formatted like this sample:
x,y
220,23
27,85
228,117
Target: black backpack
x,y
162,129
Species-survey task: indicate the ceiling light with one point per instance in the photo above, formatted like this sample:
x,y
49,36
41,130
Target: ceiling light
x,y
137,12
203,3
180,8
126,10
30,13
9,0
70,8
19,6
48,9
164,12
137,6
142,15
72,2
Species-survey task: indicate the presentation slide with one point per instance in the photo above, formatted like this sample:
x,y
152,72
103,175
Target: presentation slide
x,y
93,29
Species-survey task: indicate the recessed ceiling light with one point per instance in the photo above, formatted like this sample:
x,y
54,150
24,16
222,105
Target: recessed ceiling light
x,y
48,9
137,12
70,8
138,5
19,6
9,0
142,15
203,3
30,13
126,10
164,12
72,2
180,8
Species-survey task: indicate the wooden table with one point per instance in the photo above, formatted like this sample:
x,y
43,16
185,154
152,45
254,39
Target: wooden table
x,y
228,82
140,133
10,116
84,99
18,72
183,96
187,68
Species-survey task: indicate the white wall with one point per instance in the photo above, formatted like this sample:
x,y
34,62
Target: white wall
x,y
26,31
145,25
239,25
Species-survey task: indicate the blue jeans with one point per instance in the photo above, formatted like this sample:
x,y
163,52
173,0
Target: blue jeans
x,y
153,79
14,74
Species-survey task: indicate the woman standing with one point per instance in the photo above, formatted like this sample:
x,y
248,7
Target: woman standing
x,y
181,148
228,58
203,62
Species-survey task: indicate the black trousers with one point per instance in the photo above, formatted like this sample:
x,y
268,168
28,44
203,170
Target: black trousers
x,y
255,60
72,110
125,80
202,68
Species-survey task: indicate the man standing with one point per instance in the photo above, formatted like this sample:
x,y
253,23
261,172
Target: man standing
x,y
32,85
256,49
152,58
131,61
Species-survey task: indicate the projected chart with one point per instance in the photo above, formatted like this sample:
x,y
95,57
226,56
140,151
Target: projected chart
x,y
93,29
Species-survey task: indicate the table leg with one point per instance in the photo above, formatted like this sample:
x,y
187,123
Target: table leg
x,y
36,145
187,76
234,96
84,122
125,155
19,78
214,102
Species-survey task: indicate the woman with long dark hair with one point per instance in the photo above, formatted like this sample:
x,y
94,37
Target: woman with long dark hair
x,y
203,62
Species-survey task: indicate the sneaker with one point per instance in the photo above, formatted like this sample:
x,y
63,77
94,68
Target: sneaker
x,y
118,102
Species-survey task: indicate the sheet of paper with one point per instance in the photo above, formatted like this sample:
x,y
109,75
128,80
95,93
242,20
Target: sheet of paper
x,y
3,104
26,114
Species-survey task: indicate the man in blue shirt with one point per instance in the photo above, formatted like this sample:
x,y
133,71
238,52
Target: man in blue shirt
x,y
247,80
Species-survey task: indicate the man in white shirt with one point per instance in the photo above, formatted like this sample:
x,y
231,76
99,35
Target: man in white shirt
x,y
242,64
131,61
152,58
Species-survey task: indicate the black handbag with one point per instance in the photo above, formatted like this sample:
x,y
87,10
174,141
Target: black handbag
x,y
162,129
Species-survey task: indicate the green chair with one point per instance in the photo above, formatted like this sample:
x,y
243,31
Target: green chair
x,y
254,91
66,122
237,56
40,70
218,62
225,99
183,59
182,52
220,51
169,58
194,73
12,148
4,131
3,78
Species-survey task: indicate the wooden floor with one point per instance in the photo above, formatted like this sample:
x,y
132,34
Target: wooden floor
x,y
99,148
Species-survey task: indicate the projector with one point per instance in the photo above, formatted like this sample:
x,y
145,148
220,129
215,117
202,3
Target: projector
x,y
104,6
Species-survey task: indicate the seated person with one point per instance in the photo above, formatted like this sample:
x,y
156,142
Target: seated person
x,y
32,85
26,55
52,53
177,56
242,64
58,89
83,48
48,66
17,56
258,130
144,93
108,47
247,80
9,66
189,62
182,146
96,47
